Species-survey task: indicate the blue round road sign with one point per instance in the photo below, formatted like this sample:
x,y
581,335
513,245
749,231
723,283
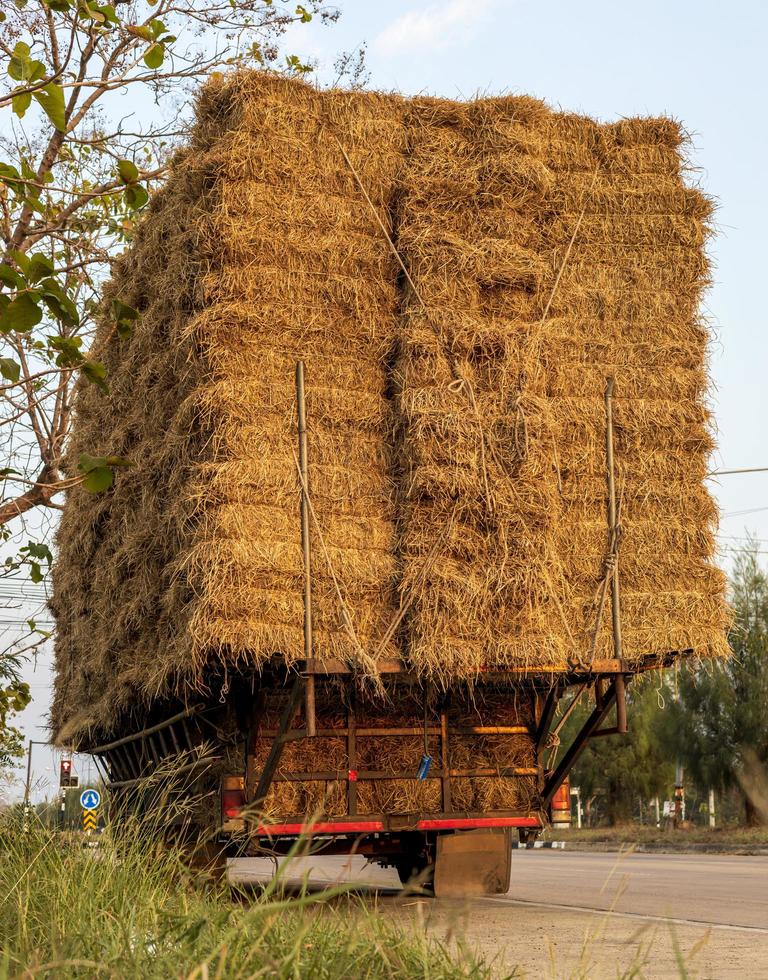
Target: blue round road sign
x,y
90,799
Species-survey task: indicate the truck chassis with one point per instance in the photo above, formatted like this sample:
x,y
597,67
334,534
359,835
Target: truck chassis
x,y
410,842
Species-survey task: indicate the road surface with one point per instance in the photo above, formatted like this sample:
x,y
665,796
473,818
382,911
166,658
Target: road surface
x,y
590,915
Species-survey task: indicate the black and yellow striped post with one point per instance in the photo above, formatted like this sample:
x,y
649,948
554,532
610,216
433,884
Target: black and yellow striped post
x,y
90,820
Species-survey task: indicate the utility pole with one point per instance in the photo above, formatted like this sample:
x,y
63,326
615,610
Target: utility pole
x,y
29,774
679,794
679,772
28,781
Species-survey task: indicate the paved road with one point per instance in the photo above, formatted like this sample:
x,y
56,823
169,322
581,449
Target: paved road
x,y
707,888
590,914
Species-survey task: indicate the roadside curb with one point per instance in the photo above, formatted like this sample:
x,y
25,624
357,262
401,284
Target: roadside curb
x,y
549,844
611,847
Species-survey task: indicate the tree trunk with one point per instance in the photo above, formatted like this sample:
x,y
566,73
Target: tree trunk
x,y
752,814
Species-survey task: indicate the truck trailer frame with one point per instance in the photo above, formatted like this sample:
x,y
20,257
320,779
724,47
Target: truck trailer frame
x,y
406,841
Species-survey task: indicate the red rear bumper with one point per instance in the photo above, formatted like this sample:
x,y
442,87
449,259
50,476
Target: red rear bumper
x,y
377,826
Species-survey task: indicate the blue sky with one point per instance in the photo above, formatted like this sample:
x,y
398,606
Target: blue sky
x,y
701,62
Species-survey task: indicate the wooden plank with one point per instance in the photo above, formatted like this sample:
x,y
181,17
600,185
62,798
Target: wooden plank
x,y
147,731
351,758
163,744
176,746
297,733
370,774
278,744
334,665
155,777
547,714
446,783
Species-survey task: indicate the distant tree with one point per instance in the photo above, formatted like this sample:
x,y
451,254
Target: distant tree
x,y
720,722
618,771
14,697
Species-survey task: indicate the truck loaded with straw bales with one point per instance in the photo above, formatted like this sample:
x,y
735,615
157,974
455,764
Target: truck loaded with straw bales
x,y
416,406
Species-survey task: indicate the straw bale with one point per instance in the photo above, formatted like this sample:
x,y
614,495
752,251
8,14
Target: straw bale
x,y
456,415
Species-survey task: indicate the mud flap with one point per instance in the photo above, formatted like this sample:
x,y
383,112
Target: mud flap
x,y
473,862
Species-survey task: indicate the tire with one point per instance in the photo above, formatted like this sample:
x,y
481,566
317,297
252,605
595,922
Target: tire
x,y
415,868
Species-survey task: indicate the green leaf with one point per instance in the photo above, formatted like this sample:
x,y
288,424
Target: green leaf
x,y
35,572
8,471
10,276
21,259
98,475
10,175
304,14
39,550
51,98
9,369
60,305
129,172
125,318
96,373
20,103
295,64
154,55
86,463
68,350
98,479
33,203
135,196
21,314
60,6
140,31
23,68
39,265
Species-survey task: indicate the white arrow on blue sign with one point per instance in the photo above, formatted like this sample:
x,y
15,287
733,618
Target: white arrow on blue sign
x,y
90,799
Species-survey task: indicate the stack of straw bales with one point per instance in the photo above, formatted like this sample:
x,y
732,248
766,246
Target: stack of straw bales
x,y
460,279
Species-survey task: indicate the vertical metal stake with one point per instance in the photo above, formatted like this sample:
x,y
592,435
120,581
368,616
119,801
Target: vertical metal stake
x,y
615,600
309,690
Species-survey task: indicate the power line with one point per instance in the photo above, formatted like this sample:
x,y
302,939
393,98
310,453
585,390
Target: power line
x,y
743,539
751,469
738,513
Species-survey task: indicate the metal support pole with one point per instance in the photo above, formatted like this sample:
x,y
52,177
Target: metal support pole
x,y
309,691
621,705
29,773
614,530
591,725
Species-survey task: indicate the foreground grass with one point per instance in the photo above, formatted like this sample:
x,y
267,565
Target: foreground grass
x,y
130,908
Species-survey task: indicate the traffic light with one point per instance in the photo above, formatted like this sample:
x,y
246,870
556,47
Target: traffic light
x,y
67,779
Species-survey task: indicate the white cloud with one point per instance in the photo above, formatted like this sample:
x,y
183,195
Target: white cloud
x,y
438,25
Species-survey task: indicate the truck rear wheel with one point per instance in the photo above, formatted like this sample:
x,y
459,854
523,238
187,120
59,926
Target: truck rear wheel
x,y
415,863
416,869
